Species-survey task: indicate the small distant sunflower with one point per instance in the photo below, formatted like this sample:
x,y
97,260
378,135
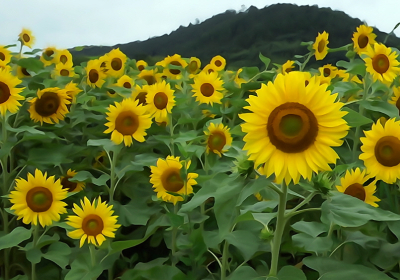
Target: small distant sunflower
x,y
5,55
115,63
381,63
353,184
126,82
293,127
140,93
175,60
141,65
26,38
48,56
63,70
287,67
218,62
72,90
95,74
71,186
362,38
208,88
217,138
321,45
38,199
64,57
160,100
150,76
101,161
328,71
194,65
93,221
22,72
126,120
49,105
209,68
166,178
9,93
381,151
396,98
346,76
239,81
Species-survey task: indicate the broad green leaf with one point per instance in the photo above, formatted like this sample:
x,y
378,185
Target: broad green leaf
x,y
245,241
243,272
387,256
380,106
81,268
265,60
86,176
357,66
204,193
154,270
106,144
58,253
34,255
312,244
15,237
31,64
291,273
311,228
25,128
355,119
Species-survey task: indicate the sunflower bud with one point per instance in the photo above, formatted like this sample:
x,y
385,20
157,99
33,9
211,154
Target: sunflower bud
x,y
242,165
266,234
323,182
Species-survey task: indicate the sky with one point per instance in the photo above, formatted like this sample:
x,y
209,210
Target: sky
x,y
71,23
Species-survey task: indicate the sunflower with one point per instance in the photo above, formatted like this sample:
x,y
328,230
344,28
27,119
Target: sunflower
x,y
115,63
141,64
26,38
160,100
218,137
49,105
38,199
48,56
5,55
64,70
209,68
9,93
71,186
328,71
194,66
175,60
150,76
293,127
22,72
362,38
381,150
287,67
239,81
166,178
95,74
218,62
101,161
71,89
126,120
353,183
208,88
381,63
64,57
321,45
125,81
346,76
93,221
140,93
395,100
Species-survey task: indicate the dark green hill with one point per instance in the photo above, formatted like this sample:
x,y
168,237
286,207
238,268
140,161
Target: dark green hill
x,y
276,31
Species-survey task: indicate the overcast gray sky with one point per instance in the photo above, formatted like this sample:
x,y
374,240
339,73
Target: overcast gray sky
x,y
70,23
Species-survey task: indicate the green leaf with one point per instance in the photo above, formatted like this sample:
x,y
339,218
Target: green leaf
x,y
291,273
355,119
312,244
243,272
58,253
86,176
118,246
356,67
106,144
31,63
355,274
34,255
135,212
265,60
381,107
245,241
150,271
311,228
81,268
15,237
144,159
25,128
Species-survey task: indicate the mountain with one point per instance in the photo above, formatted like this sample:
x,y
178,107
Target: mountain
x,y
276,31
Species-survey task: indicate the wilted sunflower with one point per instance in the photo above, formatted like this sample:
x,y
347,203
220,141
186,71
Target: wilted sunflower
x,y
64,70
321,45
48,56
381,63
5,55
26,38
218,62
208,88
293,127
140,93
362,38
126,82
150,76
71,186
38,199
353,184
95,74
141,64
160,101
93,221
9,93
381,151
22,72
166,178
115,63
175,60
194,66
126,120
49,105
287,67
64,57
217,138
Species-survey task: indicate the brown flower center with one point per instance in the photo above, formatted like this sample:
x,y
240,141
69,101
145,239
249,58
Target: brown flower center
x,y
398,104
218,63
2,56
127,123
216,141
327,72
26,38
193,67
92,225
93,76
48,104
63,59
140,67
160,100
5,92
111,92
149,79
127,85
387,151
357,190
321,46
207,89
292,127
39,199
25,72
48,55
116,64
67,184
64,72
171,180
362,41
380,63
175,71
142,97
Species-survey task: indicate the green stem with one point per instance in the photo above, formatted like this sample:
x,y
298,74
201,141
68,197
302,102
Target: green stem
x,y
171,133
113,178
275,188
289,215
304,202
303,65
173,239
35,240
280,225
224,262
110,273
92,250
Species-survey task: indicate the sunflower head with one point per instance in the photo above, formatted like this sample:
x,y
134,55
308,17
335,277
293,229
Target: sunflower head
x,y
5,55
48,56
22,72
208,88
72,90
174,60
63,70
238,80
38,199
194,65
218,136
150,76
287,67
126,82
320,46
95,74
71,186
92,222
218,62
26,38
140,93
9,93
210,68
328,71
115,63
363,37
64,57
167,178
160,100
141,65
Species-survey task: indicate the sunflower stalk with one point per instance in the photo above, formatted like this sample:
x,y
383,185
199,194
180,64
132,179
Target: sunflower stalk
x,y
35,241
173,239
113,178
92,250
224,261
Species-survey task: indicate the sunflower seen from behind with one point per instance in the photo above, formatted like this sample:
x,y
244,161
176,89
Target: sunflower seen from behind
x,y
160,100
38,199
26,38
381,151
292,127
362,38
166,178
95,75
320,45
93,222
208,88
9,92
353,184
218,136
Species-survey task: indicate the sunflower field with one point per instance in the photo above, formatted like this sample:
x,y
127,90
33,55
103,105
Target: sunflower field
x,y
116,169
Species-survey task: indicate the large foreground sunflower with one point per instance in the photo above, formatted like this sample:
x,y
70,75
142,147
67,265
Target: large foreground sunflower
x,y
208,88
127,119
218,136
93,221
320,45
160,101
381,151
9,93
362,38
353,184
293,127
166,177
26,38
38,199
382,63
